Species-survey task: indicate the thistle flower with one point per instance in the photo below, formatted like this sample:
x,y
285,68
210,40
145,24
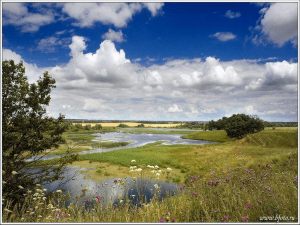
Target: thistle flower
x,y
193,194
245,218
248,206
161,220
99,198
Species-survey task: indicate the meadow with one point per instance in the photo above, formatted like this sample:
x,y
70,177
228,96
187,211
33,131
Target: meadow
x,y
254,179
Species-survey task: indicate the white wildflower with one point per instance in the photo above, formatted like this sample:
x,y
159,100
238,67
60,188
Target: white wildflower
x,y
139,170
58,191
20,187
157,174
169,169
14,172
133,160
156,166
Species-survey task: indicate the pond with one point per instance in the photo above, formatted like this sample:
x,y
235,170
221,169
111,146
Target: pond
x,y
111,190
136,140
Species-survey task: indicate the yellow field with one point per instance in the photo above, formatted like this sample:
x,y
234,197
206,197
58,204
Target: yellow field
x,y
132,124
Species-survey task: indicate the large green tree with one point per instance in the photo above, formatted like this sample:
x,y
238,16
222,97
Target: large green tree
x,y
239,125
27,131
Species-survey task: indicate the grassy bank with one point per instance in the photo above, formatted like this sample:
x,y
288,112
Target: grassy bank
x,y
252,179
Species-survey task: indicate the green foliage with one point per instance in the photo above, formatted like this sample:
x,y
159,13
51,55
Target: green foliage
x,y
239,125
217,135
26,130
122,125
88,127
97,127
141,125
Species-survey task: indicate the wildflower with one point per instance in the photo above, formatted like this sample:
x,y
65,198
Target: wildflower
x,y
156,166
14,172
156,186
258,165
267,165
245,218
173,220
148,166
223,188
228,179
261,176
38,185
99,198
169,169
247,170
161,220
133,161
217,210
45,189
271,211
139,170
58,191
225,217
34,199
209,182
228,168
20,187
44,198
193,194
259,202
157,174
192,181
292,160
296,179
222,220
182,187
3,182
86,201
248,206
115,181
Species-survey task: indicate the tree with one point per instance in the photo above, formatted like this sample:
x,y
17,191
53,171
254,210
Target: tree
x,y
238,125
27,132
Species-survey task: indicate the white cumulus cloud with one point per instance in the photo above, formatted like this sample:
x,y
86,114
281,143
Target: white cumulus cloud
x,y
224,36
174,108
232,15
279,24
114,36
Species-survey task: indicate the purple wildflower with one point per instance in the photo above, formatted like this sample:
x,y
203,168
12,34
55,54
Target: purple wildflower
x,y
245,218
173,220
209,182
192,181
222,220
161,220
225,217
267,165
223,188
248,206
292,160
296,179
63,214
271,211
259,202
99,198
258,165
261,176
228,179
193,194
167,214
217,210
247,170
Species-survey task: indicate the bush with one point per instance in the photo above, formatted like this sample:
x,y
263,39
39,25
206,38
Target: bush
x,y
239,125
97,127
122,125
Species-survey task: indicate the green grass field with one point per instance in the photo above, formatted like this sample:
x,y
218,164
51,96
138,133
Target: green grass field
x,y
248,180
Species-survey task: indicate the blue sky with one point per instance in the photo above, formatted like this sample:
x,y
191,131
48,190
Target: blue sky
x,y
159,61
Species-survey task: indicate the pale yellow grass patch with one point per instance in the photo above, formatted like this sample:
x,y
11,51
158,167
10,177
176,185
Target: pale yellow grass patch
x,y
132,124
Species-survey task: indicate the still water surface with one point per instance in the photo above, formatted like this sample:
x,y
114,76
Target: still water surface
x,y
111,190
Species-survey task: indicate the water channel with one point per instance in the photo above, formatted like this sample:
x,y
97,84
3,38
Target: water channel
x,y
110,190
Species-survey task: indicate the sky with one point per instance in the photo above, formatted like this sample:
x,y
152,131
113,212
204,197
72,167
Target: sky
x,y
159,61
